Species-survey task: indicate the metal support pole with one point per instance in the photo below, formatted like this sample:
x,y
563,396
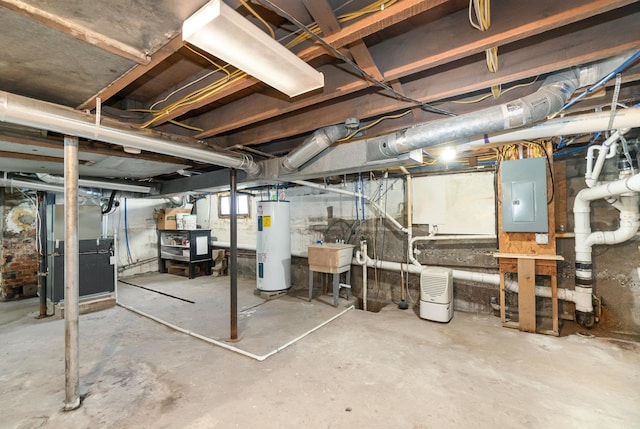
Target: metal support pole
x,y
42,252
71,275
233,257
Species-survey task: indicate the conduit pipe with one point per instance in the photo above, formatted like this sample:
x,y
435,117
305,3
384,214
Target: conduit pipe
x,y
226,346
312,146
29,112
548,99
49,178
627,189
353,194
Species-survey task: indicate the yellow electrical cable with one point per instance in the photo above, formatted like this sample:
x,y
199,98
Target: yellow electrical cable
x,y
257,15
374,123
217,86
484,97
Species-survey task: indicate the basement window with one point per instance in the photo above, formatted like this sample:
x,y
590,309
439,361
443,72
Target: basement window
x,y
242,205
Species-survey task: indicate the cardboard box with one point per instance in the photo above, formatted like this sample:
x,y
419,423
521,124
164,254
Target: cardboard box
x,y
167,218
330,257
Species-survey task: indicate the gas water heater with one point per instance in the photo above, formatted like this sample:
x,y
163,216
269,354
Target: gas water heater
x,y
273,246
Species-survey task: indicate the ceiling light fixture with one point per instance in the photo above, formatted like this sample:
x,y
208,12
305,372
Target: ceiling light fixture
x,y
448,154
221,31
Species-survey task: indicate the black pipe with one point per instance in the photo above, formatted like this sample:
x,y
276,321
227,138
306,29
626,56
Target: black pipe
x,y
233,254
42,254
110,204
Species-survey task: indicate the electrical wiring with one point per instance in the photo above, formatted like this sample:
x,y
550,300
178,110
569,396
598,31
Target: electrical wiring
x,y
237,75
482,10
485,96
358,69
374,123
174,122
257,15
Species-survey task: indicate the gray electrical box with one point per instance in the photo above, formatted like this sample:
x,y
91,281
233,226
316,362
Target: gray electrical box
x,y
524,195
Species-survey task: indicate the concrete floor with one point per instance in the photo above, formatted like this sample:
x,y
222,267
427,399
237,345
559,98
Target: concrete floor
x,y
376,370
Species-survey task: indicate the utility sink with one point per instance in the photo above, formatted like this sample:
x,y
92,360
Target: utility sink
x,y
330,257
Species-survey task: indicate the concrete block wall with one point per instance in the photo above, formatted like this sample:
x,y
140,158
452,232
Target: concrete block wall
x,y
19,256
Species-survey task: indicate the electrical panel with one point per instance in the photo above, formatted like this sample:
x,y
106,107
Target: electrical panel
x,y
524,195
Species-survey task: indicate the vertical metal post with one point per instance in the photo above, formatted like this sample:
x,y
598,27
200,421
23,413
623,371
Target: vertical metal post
x,y
71,275
42,252
233,257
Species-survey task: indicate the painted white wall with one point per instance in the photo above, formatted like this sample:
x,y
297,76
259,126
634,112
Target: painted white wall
x,y
308,211
142,234
309,217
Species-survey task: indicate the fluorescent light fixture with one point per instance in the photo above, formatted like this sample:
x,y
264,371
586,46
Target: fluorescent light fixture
x,y
218,29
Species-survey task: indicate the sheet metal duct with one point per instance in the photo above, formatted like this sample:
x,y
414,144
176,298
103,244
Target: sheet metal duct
x,y
548,99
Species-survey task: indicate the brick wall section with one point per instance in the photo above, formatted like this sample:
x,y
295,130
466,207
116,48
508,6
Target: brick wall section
x,y
18,258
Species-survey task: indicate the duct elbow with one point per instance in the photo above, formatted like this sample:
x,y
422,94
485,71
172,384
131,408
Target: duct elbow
x,y
319,141
254,169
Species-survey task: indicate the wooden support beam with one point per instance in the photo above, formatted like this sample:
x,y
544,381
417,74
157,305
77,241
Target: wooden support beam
x,y
349,34
76,30
580,47
134,73
322,13
372,23
403,56
527,294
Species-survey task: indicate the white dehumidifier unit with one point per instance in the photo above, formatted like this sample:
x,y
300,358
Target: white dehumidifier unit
x,y
436,294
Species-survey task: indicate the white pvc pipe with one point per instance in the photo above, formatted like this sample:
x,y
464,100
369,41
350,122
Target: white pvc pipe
x,y
365,285
353,194
611,189
569,125
606,151
463,275
225,346
629,223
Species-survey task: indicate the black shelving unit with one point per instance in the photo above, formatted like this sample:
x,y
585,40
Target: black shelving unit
x,y
187,247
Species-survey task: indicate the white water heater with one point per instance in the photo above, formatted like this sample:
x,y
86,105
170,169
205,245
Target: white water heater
x,y
273,246
436,294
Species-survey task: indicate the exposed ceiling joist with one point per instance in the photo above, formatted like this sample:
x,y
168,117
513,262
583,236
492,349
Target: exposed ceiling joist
x,y
349,34
579,47
405,55
134,73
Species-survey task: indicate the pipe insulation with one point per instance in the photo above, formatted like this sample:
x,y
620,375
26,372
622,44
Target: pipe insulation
x,y
312,146
29,112
547,100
